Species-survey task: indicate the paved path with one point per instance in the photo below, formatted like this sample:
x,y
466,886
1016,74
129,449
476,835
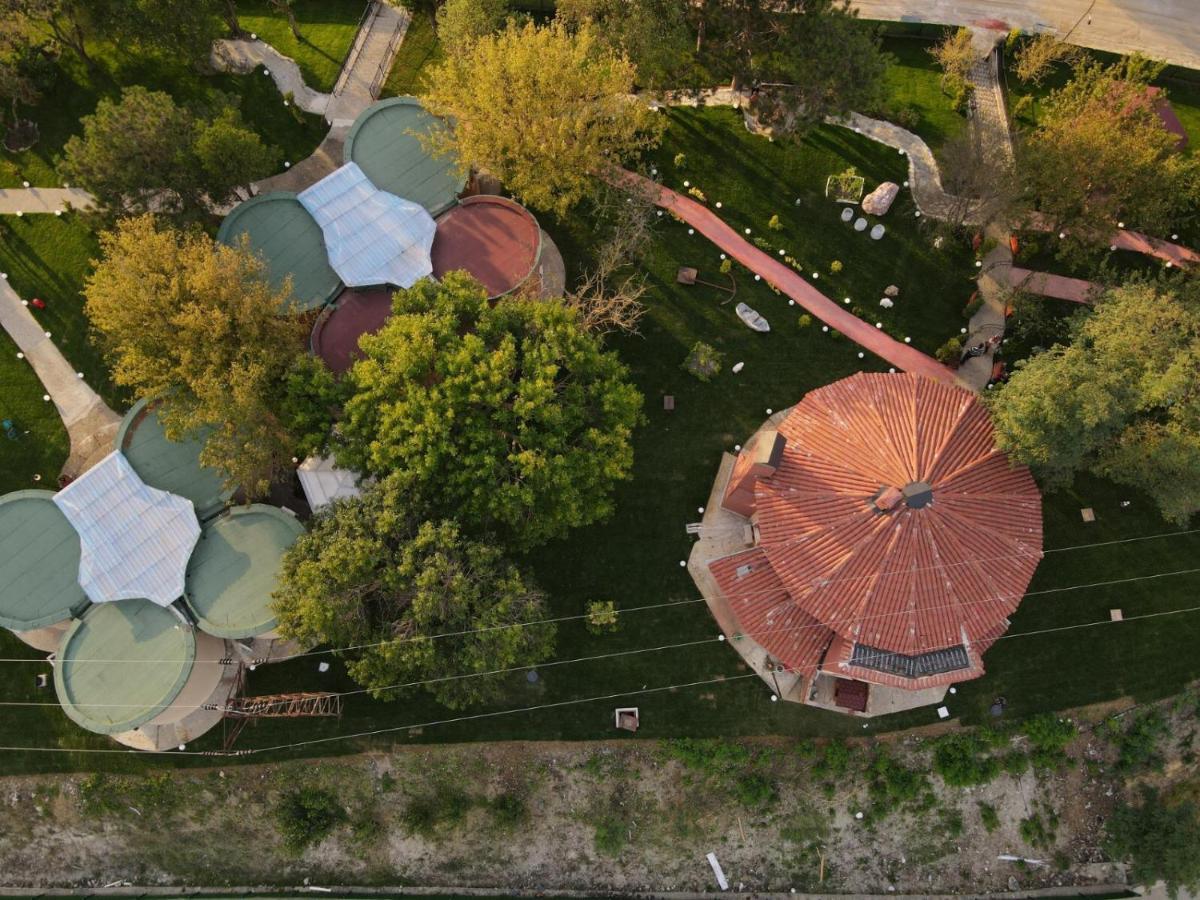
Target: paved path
x,y
370,58
1161,29
42,200
90,424
785,279
244,56
1058,286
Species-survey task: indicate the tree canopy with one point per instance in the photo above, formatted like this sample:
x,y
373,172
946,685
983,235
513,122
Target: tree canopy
x,y
1120,399
511,416
143,152
370,571
1160,838
546,109
196,326
819,58
1100,155
654,34
461,22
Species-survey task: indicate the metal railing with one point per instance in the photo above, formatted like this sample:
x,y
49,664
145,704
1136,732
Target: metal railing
x,y
369,12
385,64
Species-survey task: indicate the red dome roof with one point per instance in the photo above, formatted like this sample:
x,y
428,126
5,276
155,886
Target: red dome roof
x,y
894,524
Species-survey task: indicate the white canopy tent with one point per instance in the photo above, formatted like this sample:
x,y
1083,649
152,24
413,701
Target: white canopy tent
x,y
135,540
372,237
323,482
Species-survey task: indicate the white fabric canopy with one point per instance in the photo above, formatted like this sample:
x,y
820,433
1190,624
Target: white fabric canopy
x,y
135,540
323,482
372,237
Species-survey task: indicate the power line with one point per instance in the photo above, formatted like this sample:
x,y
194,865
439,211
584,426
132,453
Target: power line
x,y
717,639
672,603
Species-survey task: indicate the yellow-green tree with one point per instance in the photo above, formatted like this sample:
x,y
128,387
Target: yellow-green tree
x,y
198,326
543,108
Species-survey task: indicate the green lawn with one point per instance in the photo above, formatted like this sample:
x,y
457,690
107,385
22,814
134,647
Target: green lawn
x,y
327,29
914,83
42,446
419,51
634,558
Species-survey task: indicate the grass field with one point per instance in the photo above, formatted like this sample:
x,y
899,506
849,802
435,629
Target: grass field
x,y
914,81
327,28
419,51
634,558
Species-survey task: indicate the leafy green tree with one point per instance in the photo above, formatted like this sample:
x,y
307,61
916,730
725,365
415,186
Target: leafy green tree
x,y
20,63
461,22
182,30
196,325
230,155
371,571
1100,155
1160,838
510,417
312,400
132,155
69,22
1120,399
654,34
144,153
830,62
545,109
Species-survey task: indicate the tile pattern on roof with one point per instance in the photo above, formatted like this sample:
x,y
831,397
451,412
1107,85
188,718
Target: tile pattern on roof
x,y
906,581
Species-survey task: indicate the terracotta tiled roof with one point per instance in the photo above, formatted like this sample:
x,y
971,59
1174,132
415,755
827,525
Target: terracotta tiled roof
x,y
942,568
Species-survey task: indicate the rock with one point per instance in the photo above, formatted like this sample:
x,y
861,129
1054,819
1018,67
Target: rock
x,y
877,232
891,291
860,224
847,214
880,200
886,303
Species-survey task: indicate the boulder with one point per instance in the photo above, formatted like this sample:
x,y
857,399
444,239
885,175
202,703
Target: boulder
x,y
880,200
891,291
886,303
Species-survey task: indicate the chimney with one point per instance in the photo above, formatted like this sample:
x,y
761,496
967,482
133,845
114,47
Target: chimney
x,y
758,459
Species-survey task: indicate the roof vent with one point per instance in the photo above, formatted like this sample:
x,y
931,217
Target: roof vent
x,y
917,494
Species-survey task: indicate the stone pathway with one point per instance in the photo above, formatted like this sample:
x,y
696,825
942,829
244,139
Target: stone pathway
x,y
90,424
370,59
243,56
788,281
36,200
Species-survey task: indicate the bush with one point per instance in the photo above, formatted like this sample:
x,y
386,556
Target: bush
x,y
988,817
726,266
1138,746
1038,832
1160,839
1015,763
835,266
892,784
602,617
805,321
307,816
959,759
508,809
908,117
698,194
774,224
446,805
1050,736
704,361
680,160
834,761
950,352
755,791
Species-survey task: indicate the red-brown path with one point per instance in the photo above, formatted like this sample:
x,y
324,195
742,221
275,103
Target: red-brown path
x,y
1058,286
785,279
1151,246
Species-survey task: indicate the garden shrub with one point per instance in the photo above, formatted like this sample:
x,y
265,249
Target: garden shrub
x,y
892,784
307,816
1049,736
1038,832
704,361
755,791
835,266
774,223
726,266
1159,838
602,617
960,760
680,160
805,321
698,194
834,761
988,817
445,805
950,352
1015,763
1138,745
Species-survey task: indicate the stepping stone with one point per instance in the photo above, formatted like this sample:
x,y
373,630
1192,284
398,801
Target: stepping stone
x,y
877,232
860,224
847,214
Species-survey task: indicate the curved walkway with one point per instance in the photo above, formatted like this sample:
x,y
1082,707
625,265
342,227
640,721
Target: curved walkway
x,y
786,279
89,422
243,56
